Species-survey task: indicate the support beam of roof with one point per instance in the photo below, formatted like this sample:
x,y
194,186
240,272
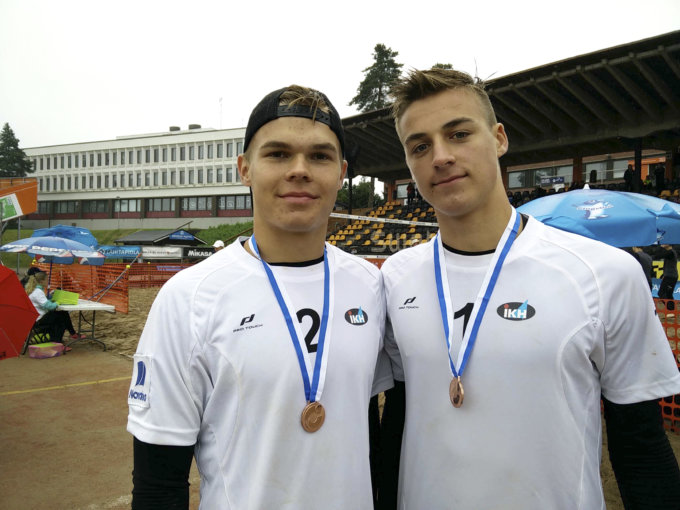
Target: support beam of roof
x,y
537,121
609,95
673,64
640,95
658,84
587,99
571,108
552,114
513,121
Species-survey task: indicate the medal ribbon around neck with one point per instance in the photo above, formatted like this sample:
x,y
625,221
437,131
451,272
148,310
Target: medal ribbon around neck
x,y
317,374
470,336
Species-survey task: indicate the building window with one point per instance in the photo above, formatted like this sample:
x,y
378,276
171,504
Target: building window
x,y
106,159
95,206
47,184
191,176
191,152
209,175
61,160
164,178
239,148
155,178
160,204
182,153
139,179
106,181
41,164
218,174
147,179
164,154
229,179
114,155
220,150
199,176
55,162
48,163
229,150
210,151
200,152
76,160
61,183
126,205
91,181
99,159
122,157
83,181
131,160
69,161
131,180
181,177
91,160
173,154
114,181
66,207
44,207
155,155
172,178
196,203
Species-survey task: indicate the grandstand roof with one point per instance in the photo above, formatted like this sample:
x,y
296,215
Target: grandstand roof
x,y
592,104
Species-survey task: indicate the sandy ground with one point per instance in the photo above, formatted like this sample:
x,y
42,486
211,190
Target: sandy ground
x,y
122,331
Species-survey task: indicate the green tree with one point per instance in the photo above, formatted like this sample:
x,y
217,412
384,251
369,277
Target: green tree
x,y
373,92
361,194
13,160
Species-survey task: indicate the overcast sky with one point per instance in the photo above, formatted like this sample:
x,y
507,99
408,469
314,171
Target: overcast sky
x,y
79,71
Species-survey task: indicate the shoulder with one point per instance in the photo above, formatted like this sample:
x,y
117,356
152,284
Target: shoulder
x,y
408,259
572,251
346,262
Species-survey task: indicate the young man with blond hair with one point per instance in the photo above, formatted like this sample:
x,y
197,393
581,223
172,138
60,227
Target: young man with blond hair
x,y
260,360
507,333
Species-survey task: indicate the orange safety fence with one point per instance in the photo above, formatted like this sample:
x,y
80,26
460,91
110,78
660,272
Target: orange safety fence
x,y
105,284
669,314
152,274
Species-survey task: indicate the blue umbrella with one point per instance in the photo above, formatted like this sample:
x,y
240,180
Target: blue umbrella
x,y
613,217
80,234
55,249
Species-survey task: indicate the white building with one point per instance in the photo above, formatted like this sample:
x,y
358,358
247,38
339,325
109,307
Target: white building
x,y
159,180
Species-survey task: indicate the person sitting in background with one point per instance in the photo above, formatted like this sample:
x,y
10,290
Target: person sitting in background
x,y
218,245
56,321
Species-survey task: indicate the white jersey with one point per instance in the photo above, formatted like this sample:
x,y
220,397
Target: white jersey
x,y
216,367
569,319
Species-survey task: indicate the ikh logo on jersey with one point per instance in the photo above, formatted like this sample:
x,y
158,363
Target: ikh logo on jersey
x,y
356,317
139,389
516,311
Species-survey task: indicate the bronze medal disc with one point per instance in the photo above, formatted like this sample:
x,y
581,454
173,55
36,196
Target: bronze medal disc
x,y
456,392
313,416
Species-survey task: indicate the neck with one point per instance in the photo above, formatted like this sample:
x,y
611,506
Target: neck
x,y
475,232
289,247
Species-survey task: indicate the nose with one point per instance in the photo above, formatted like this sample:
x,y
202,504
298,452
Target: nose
x,y
299,168
442,154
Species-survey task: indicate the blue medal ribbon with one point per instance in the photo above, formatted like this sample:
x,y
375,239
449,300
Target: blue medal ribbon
x,y
312,391
508,237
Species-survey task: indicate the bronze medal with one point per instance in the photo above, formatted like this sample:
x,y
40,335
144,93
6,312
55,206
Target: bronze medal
x,y
456,392
313,416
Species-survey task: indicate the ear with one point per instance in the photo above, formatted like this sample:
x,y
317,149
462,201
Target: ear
x,y
343,173
501,140
244,169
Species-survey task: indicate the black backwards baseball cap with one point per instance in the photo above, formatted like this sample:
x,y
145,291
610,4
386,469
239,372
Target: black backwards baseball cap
x,y
269,109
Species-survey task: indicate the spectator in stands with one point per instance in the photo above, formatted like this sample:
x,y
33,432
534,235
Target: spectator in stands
x,y
54,321
236,349
645,261
669,278
218,245
410,193
524,326
593,176
628,178
660,178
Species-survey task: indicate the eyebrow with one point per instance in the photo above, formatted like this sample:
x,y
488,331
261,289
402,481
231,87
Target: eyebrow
x,y
449,125
274,144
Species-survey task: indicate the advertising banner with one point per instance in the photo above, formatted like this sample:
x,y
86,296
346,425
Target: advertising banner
x,y
161,252
119,252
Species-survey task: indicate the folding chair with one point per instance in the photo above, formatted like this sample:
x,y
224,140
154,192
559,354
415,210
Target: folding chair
x,y
39,334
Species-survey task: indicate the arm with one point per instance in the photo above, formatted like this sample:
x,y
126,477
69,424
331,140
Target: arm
x,y
641,456
42,301
161,476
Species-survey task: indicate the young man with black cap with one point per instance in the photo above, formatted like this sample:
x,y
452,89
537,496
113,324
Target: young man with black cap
x,y
260,360
507,333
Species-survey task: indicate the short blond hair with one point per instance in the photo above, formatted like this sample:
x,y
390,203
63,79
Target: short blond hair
x,y
418,85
